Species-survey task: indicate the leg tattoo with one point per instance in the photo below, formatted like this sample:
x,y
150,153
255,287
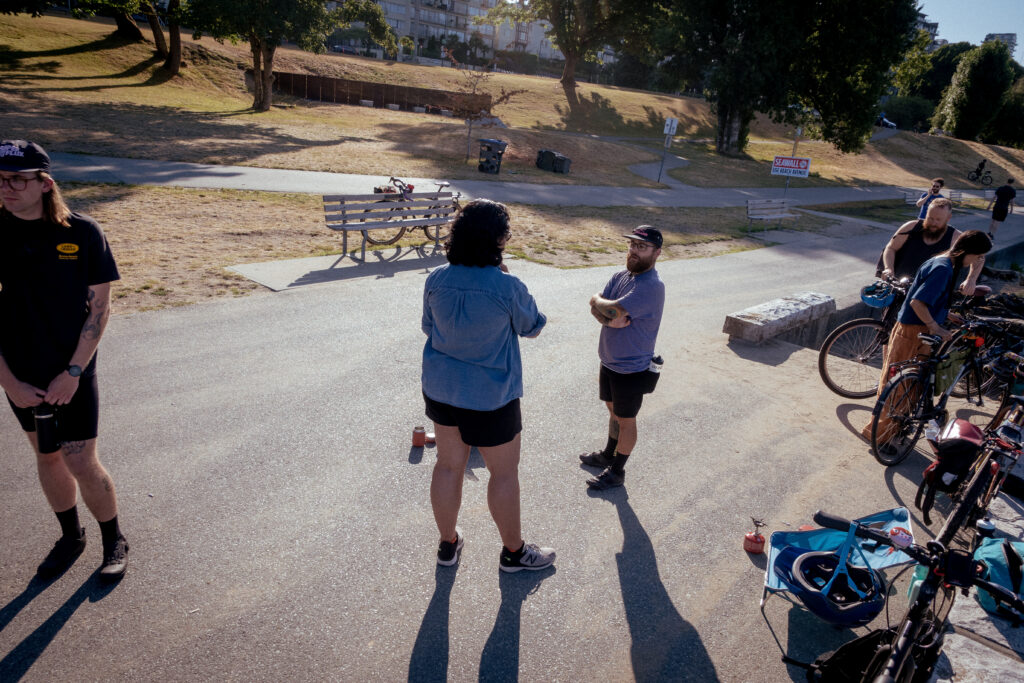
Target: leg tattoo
x,y
613,428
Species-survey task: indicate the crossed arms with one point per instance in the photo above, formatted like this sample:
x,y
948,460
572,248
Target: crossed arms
x,y
609,313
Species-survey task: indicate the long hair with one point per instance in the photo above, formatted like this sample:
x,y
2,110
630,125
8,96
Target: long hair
x,y
54,209
477,229
972,242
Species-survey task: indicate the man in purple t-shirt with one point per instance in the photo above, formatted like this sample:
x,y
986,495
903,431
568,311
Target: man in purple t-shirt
x,y
629,310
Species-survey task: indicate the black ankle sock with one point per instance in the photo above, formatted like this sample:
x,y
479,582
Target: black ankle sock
x,y
516,553
111,532
609,448
619,462
69,524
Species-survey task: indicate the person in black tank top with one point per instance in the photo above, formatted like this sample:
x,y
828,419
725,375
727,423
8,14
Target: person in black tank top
x,y
917,241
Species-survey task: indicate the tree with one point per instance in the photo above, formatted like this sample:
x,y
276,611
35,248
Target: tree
x,y
982,77
473,83
910,73
266,24
943,64
577,27
791,59
120,10
1005,127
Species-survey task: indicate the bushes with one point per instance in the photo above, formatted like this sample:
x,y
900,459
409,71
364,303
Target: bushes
x,y
909,113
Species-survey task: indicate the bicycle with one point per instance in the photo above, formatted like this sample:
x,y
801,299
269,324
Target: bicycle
x,y
850,358
985,177
907,403
909,652
400,191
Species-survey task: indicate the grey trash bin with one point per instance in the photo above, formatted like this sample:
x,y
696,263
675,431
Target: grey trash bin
x,y
490,155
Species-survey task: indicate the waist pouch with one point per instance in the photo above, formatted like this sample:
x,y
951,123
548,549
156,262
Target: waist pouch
x,y
651,375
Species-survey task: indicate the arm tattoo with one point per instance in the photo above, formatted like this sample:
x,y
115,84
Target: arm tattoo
x,y
98,313
610,312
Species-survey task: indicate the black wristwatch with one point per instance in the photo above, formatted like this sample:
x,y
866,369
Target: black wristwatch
x,y
75,370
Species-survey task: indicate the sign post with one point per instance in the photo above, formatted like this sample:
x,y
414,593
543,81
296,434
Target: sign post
x,y
798,167
670,130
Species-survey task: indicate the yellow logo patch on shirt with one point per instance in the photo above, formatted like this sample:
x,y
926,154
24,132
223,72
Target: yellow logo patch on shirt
x,y
68,251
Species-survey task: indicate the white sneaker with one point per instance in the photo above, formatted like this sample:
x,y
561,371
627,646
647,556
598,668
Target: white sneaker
x,y
530,557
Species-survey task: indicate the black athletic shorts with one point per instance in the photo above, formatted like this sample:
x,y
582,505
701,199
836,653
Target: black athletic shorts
x,y
78,420
480,428
624,390
999,214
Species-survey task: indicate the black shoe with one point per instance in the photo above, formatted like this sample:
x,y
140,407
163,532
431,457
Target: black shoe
x,y
596,459
115,563
64,553
448,552
608,479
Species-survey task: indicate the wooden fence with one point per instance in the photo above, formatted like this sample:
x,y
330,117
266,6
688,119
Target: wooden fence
x,y
342,91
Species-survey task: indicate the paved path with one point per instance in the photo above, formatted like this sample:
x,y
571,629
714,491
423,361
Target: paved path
x,y
181,174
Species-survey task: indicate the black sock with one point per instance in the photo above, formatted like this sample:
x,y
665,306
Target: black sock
x,y
609,448
516,554
619,462
111,532
69,524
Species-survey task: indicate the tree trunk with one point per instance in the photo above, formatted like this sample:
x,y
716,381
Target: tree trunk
x,y
569,82
733,128
126,27
154,26
469,138
173,62
262,72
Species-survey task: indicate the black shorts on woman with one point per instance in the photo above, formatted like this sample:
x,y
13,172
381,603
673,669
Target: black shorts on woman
x,y
480,428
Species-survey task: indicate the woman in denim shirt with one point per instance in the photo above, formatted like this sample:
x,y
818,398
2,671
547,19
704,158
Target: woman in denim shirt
x,y
473,315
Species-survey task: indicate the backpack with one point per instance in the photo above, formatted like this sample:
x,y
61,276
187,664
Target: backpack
x,y
958,445
1001,563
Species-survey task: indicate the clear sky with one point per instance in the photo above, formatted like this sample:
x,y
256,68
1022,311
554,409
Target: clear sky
x,y
970,21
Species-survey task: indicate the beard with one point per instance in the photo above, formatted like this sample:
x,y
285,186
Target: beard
x,y
638,264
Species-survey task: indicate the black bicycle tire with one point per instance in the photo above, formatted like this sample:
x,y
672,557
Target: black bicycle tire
x,y
824,357
915,429
374,236
972,176
986,179
967,502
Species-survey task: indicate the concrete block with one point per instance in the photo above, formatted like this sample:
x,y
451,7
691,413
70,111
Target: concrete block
x,y
765,321
366,103
394,107
446,112
420,110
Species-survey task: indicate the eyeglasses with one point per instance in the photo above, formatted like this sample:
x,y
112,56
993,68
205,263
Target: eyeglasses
x,y
507,236
15,182
637,245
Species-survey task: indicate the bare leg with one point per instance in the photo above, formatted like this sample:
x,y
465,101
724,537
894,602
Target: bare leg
x,y
58,483
97,487
992,227
613,423
446,482
627,435
503,490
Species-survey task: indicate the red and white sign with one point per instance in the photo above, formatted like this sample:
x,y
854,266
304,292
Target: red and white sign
x,y
797,167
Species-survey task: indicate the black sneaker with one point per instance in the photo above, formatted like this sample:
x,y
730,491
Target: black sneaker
x,y
530,557
115,563
608,479
447,552
596,459
64,553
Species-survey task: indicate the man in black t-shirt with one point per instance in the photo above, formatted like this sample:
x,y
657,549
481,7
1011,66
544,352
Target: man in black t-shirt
x,y
55,275
1001,205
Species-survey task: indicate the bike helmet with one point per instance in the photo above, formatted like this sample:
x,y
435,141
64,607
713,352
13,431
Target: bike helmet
x,y
830,587
878,295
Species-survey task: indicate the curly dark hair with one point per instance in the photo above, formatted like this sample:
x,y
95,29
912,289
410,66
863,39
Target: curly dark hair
x,y
476,232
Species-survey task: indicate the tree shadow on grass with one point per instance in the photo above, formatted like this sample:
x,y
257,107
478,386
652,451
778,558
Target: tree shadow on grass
x,y
158,77
12,59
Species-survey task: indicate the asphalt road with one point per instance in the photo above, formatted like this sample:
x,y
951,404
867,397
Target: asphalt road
x,y
280,524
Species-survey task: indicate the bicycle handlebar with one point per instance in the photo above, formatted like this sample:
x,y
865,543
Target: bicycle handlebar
x,y
921,555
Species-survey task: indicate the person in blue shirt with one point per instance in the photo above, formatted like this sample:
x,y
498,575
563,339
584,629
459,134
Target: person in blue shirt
x,y
629,310
474,312
928,197
925,311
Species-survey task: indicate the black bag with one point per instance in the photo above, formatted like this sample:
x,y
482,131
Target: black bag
x,y
853,662
546,160
958,446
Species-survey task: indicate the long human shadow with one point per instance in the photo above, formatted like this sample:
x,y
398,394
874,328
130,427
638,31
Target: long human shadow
x,y
20,601
499,660
18,661
429,660
665,647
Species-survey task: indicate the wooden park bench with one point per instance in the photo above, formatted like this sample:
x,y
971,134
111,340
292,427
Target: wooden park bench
x,y
768,210
383,218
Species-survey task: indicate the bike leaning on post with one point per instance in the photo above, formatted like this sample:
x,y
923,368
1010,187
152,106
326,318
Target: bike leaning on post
x,y
397,190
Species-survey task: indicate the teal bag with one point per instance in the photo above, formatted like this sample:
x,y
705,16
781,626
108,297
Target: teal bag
x,y
1002,565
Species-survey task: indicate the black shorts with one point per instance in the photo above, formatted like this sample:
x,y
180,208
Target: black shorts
x,y
625,391
480,428
999,214
78,420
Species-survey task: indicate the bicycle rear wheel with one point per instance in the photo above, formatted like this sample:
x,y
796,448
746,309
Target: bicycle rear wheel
x,y
850,360
986,179
896,424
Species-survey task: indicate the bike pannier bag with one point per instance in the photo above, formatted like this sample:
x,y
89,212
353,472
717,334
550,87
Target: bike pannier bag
x,y
1003,566
948,368
852,662
958,445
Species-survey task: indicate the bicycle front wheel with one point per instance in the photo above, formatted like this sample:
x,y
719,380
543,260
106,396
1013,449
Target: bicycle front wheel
x,y
385,235
850,360
986,179
896,423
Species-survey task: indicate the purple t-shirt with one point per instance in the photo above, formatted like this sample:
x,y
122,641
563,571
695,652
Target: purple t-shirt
x,y
630,349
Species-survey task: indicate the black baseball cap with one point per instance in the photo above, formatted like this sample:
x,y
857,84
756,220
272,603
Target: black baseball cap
x,y
646,233
22,155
